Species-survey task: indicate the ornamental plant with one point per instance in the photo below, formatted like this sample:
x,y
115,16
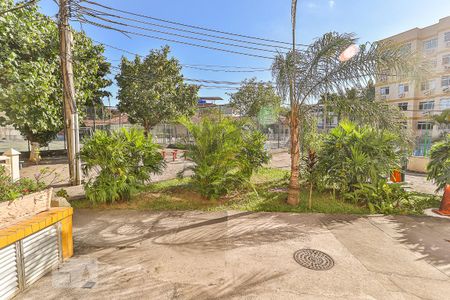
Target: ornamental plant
x,y
352,155
12,190
225,153
439,166
123,160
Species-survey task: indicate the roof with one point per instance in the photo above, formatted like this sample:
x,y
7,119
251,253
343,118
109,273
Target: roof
x,y
210,98
116,120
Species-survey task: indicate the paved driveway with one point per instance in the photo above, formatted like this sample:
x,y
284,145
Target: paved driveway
x,y
234,255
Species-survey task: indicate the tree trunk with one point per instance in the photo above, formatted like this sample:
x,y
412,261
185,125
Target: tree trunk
x,y
35,153
294,188
310,195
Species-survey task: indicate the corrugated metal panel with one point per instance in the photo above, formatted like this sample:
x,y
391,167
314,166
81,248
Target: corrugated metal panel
x,y
40,253
9,277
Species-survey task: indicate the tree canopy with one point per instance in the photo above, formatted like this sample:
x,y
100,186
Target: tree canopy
x,y
30,76
253,96
152,90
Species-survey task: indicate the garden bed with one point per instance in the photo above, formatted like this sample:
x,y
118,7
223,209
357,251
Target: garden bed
x,y
269,195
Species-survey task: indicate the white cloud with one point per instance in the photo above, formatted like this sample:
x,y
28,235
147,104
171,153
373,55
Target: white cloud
x,y
331,3
311,5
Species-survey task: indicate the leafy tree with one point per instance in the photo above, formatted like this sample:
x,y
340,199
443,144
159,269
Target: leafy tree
x,y
225,153
327,65
253,96
439,165
124,160
30,76
151,90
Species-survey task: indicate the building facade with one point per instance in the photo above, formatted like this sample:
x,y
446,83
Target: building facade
x,y
421,100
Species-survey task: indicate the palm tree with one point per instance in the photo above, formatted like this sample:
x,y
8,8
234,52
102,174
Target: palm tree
x,y
331,63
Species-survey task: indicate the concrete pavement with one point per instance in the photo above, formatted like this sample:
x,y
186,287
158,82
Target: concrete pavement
x,y
241,255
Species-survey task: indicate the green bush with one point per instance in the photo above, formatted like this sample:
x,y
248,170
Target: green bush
x,y
225,153
439,166
124,160
352,155
10,191
389,198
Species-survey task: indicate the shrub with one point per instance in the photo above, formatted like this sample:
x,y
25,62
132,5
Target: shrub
x,y
389,198
24,186
439,166
124,160
353,155
225,153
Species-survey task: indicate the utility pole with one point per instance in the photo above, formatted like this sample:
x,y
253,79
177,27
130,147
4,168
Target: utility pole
x,y
70,107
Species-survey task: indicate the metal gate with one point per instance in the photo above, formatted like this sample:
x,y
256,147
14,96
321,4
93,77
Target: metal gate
x,y
9,274
27,260
40,253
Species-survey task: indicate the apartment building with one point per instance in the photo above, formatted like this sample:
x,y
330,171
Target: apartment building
x,y
421,100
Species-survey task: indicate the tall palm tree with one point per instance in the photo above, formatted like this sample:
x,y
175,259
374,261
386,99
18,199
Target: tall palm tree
x,y
293,192
332,63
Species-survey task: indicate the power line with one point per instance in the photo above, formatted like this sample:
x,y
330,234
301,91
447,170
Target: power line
x,y
179,35
95,12
227,71
174,41
202,85
187,25
202,80
190,65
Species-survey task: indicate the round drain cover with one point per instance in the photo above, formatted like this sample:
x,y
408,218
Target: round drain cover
x,y
313,259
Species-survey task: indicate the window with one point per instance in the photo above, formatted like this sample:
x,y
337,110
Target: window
x,y
445,104
426,105
430,44
445,82
403,106
421,125
403,88
427,85
447,37
446,59
384,90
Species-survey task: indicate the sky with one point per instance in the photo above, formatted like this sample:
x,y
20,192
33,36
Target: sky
x,y
370,20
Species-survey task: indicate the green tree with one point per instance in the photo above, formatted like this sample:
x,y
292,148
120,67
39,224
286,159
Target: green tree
x,y
331,63
30,76
253,96
152,90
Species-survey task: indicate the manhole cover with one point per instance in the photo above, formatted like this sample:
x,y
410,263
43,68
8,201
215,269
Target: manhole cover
x,y
313,259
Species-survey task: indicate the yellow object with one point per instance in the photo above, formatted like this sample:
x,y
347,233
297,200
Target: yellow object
x,y
22,229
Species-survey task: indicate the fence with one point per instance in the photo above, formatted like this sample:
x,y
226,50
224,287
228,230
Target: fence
x,y
164,134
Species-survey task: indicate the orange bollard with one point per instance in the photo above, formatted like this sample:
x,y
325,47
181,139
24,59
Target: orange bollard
x,y
396,176
444,208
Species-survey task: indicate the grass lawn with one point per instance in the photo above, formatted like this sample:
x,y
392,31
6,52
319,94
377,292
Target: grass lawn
x,y
268,194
